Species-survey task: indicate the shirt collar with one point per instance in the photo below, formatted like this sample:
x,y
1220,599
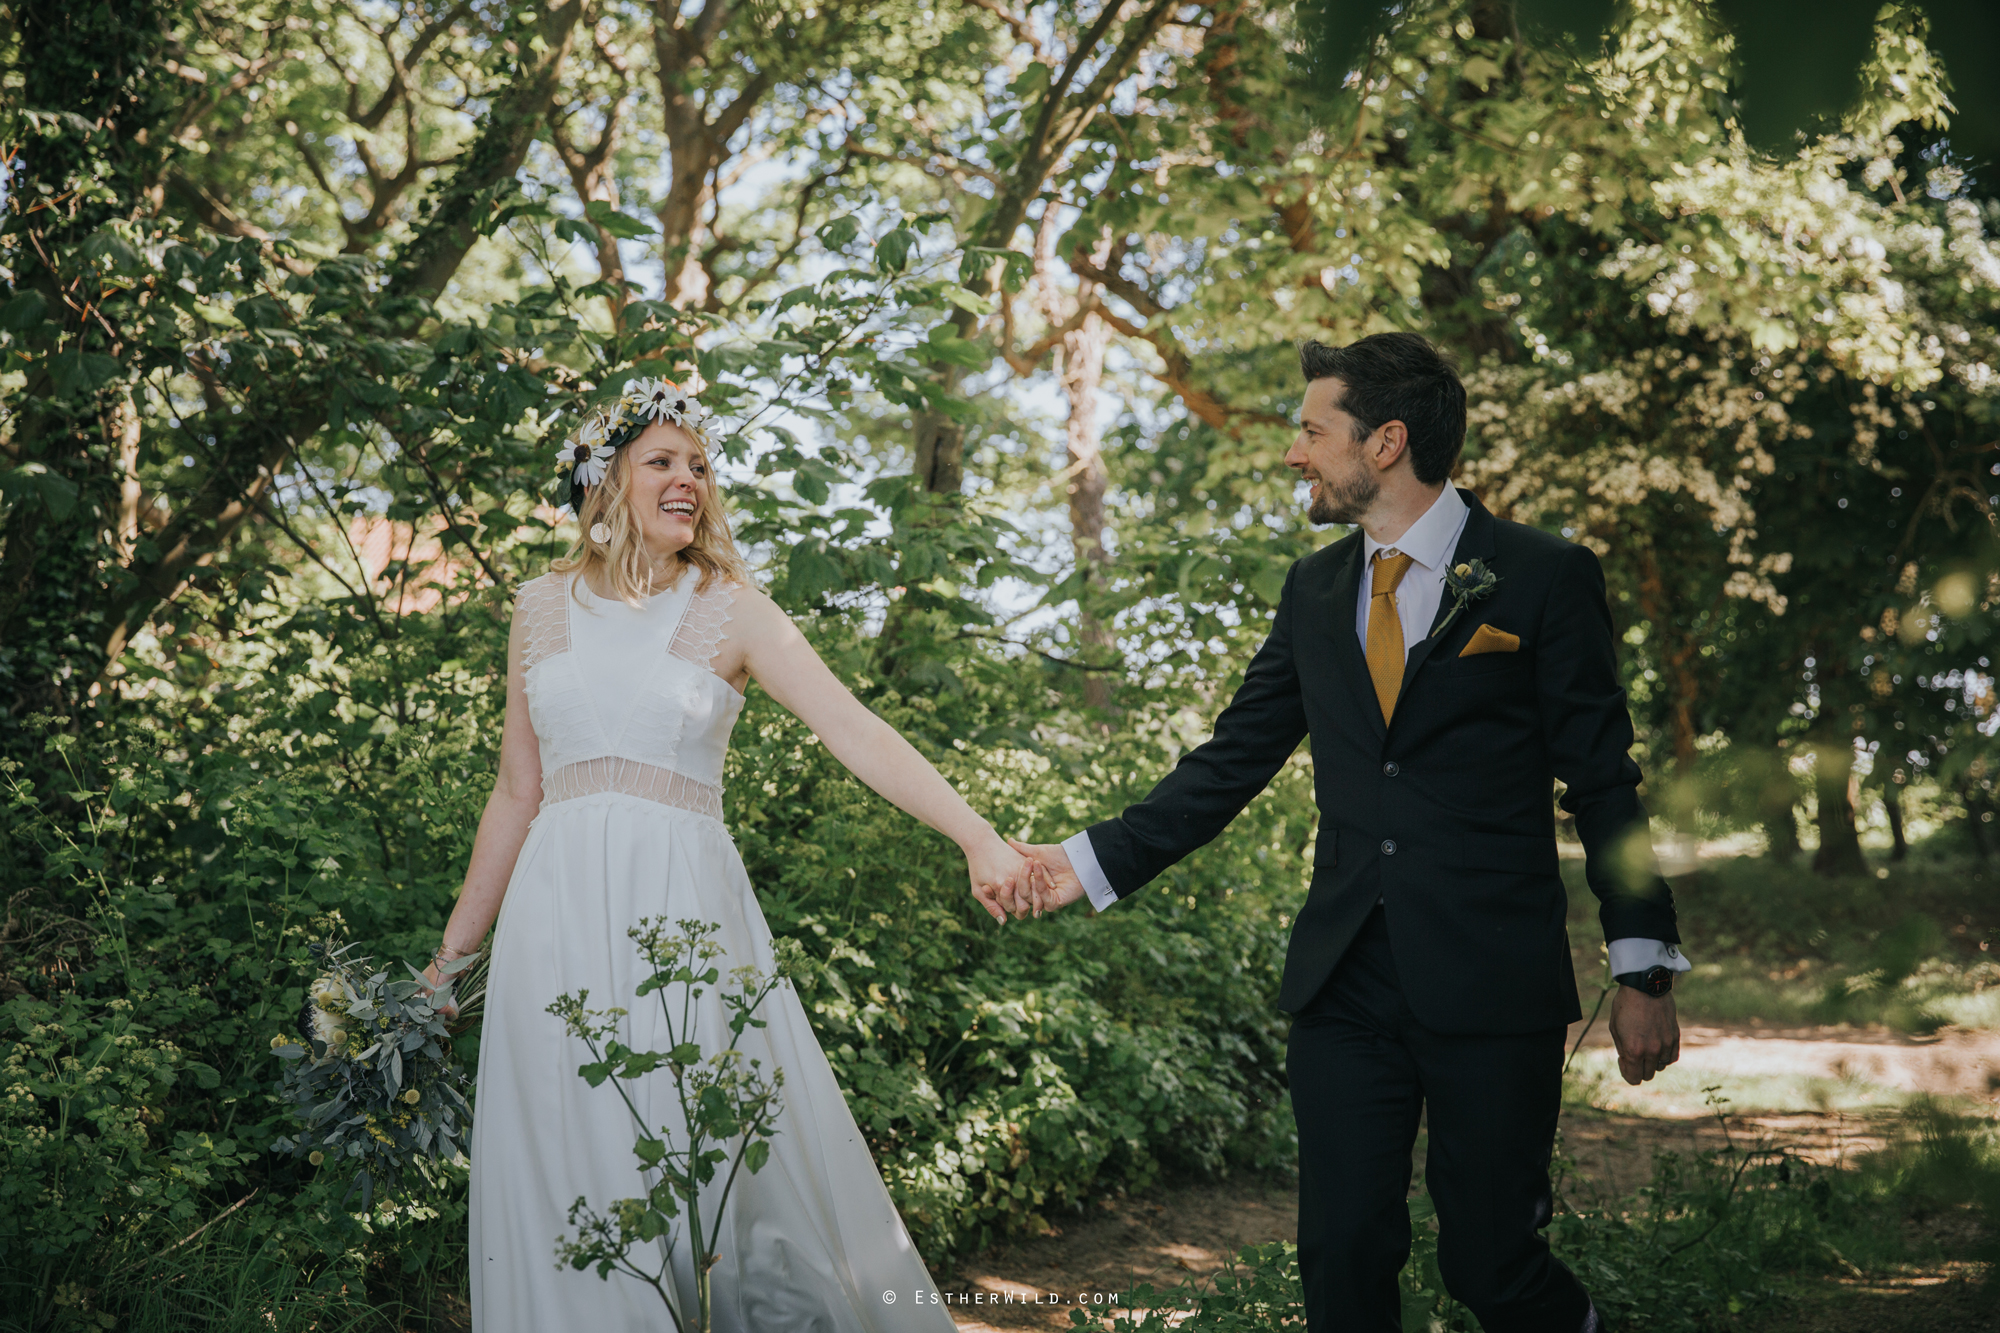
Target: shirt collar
x,y
1431,539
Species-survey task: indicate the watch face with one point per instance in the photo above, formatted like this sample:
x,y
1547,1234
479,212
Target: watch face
x,y
1659,980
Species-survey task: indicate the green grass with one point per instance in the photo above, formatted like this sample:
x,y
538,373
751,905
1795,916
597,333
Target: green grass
x,y
1777,945
255,1273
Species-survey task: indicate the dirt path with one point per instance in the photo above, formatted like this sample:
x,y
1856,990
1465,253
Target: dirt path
x,y
1951,1063
1175,1231
1158,1238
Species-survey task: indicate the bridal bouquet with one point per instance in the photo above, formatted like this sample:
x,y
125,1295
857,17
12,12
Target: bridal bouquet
x,y
371,1076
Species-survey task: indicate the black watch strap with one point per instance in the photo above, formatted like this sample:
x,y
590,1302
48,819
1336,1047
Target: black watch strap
x,y
1655,981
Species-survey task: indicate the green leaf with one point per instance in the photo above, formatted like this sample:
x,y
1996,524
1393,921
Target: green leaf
x,y
495,221
839,232
108,244
23,312
892,252
77,372
569,229
621,225
650,1151
263,312
810,572
34,481
977,259
1480,71
758,1153
944,344
971,302
1031,82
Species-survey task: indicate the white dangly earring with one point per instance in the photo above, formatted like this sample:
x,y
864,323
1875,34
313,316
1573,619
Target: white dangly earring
x,y
600,533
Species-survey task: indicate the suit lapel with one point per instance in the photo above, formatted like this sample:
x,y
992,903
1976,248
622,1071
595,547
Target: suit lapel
x,y
1343,602
1475,542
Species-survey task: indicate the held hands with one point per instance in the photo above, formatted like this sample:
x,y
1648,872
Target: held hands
x,y
999,876
1053,882
1647,1032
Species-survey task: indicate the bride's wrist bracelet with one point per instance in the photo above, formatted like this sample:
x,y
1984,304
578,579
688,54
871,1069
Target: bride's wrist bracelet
x,y
445,954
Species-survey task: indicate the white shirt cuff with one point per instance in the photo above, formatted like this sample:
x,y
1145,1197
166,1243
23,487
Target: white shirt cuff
x,y
1634,955
1083,859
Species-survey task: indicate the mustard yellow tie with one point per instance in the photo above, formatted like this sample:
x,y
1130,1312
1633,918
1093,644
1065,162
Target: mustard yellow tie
x,y
1385,630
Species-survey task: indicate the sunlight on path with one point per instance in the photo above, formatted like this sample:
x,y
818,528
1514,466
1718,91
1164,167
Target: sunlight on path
x,y
1813,1069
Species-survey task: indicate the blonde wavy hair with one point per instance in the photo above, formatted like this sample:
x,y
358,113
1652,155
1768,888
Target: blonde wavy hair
x,y
624,561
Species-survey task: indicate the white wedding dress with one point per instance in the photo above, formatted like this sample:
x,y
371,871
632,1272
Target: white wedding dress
x,y
633,726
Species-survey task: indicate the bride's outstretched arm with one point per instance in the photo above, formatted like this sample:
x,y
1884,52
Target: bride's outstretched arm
x,y
517,795
770,650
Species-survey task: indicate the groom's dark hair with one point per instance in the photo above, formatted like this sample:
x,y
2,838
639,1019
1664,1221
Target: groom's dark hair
x,y
1398,377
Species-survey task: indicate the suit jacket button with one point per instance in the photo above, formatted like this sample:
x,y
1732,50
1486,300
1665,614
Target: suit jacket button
x,y
1388,846
1390,769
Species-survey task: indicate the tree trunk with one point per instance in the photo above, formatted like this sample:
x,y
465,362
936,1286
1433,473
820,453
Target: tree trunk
x,y
1777,801
1979,818
126,424
699,126
1674,650
1781,835
1060,120
1081,370
1839,847
1892,806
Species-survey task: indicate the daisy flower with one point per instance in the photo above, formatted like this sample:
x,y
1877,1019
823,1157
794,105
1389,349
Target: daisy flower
x,y
587,453
656,400
663,400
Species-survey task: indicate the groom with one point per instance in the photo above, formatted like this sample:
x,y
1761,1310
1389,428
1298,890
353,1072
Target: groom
x,y
1429,968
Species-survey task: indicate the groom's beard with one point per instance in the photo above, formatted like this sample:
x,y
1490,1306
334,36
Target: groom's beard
x,y
1345,502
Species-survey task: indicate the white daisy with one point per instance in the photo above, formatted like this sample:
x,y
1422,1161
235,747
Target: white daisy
x,y
587,453
694,420
663,400
655,400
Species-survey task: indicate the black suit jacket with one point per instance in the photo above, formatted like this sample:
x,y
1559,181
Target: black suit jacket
x,y
1445,814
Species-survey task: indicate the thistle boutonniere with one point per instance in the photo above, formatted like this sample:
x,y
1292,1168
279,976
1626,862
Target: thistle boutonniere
x,y
1466,582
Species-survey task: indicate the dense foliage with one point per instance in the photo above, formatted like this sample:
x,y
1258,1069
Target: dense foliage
x,y
291,295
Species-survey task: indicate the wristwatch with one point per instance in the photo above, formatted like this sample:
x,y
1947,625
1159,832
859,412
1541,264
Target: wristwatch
x,y
1654,981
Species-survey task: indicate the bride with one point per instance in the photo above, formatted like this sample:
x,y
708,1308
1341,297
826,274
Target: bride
x,y
626,670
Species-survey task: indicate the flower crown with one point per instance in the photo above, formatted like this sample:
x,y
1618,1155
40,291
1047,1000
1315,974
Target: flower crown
x,y
586,453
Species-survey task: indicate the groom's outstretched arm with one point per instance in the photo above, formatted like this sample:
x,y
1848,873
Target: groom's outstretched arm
x,y
1254,736
1588,731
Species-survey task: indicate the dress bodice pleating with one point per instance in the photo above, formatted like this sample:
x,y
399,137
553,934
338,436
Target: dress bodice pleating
x,y
623,698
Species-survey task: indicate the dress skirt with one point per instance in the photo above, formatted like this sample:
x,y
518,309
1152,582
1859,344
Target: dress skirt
x,y
809,1244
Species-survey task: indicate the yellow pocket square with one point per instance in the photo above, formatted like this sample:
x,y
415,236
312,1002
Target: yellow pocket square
x,y
1486,639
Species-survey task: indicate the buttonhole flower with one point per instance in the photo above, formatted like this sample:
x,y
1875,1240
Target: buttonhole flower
x,y
1466,582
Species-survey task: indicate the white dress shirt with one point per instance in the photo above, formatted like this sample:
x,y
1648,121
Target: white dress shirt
x,y
1429,542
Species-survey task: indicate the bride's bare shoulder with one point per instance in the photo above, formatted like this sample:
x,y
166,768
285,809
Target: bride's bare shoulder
x,y
751,609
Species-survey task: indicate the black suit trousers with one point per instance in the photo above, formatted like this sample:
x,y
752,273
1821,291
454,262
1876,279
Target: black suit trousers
x,y
1362,1070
